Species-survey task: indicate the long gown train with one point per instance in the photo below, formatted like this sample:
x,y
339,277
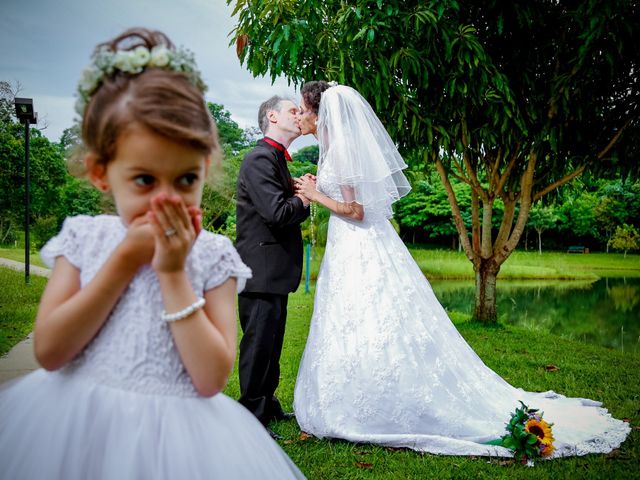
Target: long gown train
x,y
384,364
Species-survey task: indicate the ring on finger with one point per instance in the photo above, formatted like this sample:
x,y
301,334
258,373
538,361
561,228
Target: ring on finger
x,y
169,232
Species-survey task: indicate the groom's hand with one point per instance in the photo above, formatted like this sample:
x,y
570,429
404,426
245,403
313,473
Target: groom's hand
x,y
305,200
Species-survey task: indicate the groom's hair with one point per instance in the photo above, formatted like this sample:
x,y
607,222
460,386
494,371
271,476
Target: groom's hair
x,y
272,104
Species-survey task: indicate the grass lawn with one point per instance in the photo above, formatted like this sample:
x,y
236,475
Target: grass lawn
x,y
450,264
18,306
516,354
521,265
519,355
17,254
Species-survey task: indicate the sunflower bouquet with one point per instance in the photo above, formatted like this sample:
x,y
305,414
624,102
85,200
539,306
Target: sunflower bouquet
x,y
528,435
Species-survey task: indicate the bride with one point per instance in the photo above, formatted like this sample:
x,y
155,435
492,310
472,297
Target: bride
x,y
383,363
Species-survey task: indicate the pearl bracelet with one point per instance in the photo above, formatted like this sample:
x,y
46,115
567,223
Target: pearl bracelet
x,y
184,313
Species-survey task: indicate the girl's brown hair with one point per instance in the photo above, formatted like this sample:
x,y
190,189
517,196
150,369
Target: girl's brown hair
x,y
164,102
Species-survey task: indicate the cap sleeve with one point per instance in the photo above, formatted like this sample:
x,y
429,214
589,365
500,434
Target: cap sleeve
x,y
67,242
225,263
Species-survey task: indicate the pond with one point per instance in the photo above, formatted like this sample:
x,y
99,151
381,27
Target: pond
x,y
605,312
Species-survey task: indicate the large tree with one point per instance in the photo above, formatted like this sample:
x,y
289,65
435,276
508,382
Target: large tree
x,y
513,99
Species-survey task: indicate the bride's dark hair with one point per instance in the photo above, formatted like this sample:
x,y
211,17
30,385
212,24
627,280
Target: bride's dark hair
x,y
312,92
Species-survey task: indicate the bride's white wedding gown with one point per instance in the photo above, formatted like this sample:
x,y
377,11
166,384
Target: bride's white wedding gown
x,y
384,364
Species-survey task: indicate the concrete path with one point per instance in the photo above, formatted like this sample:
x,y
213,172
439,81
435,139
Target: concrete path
x,y
20,359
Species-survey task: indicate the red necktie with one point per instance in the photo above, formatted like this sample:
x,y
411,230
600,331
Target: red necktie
x,y
278,147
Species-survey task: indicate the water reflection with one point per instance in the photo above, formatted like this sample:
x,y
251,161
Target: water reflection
x,y
604,312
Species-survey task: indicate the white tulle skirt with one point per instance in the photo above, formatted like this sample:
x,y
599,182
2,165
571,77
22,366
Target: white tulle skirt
x,y
384,363
56,426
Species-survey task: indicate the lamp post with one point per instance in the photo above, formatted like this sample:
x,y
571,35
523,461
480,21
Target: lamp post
x,y
26,115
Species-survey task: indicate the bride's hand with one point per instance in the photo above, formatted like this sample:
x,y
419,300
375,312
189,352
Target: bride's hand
x,y
306,186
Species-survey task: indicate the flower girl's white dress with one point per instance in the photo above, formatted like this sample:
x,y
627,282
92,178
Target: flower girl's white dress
x,y
384,364
125,408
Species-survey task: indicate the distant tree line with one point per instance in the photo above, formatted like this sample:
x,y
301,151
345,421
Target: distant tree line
x,y
588,212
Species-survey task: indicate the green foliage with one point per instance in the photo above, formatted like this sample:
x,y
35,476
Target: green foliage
x,y
78,197
427,208
232,137
579,214
618,203
542,218
48,173
516,73
308,154
219,195
70,141
8,231
625,238
43,229
299,168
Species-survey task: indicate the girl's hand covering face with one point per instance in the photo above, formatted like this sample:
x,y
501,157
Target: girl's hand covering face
x,y
175,228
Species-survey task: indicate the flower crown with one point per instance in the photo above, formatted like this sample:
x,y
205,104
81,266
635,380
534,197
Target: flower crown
x,y
106,62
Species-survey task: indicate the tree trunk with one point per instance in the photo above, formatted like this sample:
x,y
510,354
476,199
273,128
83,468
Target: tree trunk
x,y
539,242
485,306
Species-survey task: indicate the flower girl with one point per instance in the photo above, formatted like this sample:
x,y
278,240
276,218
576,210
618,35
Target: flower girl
x,y
136,329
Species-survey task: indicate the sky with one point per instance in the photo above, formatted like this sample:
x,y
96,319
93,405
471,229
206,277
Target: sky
x,y
45,44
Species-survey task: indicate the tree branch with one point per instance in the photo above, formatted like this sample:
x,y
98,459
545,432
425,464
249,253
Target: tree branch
x,y
455,209
526,186
475,222
466,157
507,171
559,183
461,179
614,140
493,170
567,178
507,222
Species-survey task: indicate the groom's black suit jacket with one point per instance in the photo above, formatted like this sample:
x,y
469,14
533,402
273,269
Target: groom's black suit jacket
x,y
268,218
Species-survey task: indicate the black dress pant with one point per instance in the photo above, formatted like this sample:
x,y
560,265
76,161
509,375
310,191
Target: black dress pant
x,y
262,318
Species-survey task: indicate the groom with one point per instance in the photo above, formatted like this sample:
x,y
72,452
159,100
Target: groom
x,y
269,241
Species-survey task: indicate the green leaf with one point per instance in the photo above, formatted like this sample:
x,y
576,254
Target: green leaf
x,y
371,35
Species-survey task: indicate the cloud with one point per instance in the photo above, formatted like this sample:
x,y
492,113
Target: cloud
x,y
47,44
54,114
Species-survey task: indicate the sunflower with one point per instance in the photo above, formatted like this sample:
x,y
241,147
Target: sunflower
x,y
542,430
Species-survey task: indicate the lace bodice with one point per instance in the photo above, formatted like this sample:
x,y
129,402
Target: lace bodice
x,y
135,350
334,191
323,184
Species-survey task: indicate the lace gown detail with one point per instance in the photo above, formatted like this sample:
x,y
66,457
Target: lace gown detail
x,y
384,364
125,407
